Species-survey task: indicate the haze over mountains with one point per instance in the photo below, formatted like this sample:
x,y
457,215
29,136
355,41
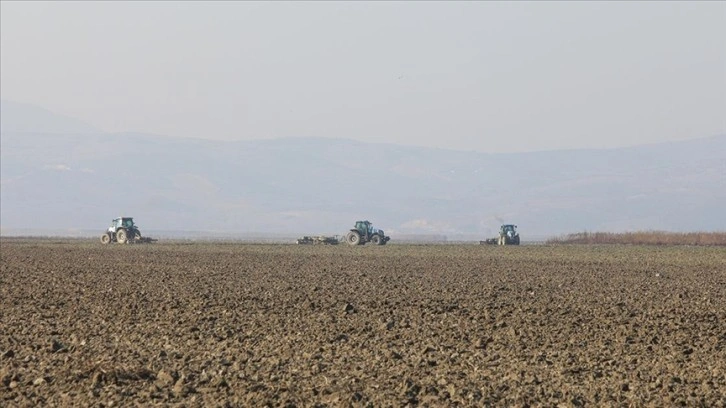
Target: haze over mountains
x,y
59,174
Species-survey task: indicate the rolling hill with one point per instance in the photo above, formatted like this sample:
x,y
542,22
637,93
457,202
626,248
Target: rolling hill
x,y
69,180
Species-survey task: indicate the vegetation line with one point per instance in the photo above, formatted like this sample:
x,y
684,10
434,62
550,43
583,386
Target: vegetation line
x,y
643,238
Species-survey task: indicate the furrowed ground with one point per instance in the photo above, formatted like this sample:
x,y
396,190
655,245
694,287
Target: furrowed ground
x,y
207,324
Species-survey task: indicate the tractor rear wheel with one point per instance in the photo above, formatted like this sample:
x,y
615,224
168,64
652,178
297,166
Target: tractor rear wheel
x,y
121,236
376,240
106,238
353,238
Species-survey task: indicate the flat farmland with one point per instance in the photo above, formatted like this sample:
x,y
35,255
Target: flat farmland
x,y
231,324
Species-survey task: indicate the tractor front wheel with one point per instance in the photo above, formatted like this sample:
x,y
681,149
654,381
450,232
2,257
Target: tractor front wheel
x,y
121,236
376,240
353,238
106,238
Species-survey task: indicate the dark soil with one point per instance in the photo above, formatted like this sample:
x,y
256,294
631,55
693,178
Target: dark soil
x,y
82,324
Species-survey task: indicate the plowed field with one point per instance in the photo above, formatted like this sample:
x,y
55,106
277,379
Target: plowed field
x,y
205,324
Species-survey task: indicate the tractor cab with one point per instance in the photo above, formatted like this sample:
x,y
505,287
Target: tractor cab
x,y
364,227
509,229
121,222
127,222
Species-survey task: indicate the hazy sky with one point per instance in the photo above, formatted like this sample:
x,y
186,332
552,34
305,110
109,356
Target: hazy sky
x,y
487,76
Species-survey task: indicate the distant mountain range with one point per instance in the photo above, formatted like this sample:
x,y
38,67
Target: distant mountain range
x,y
59,174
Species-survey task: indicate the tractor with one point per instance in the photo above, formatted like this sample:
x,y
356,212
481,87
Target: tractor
x,y
508,235
124,231
364,232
